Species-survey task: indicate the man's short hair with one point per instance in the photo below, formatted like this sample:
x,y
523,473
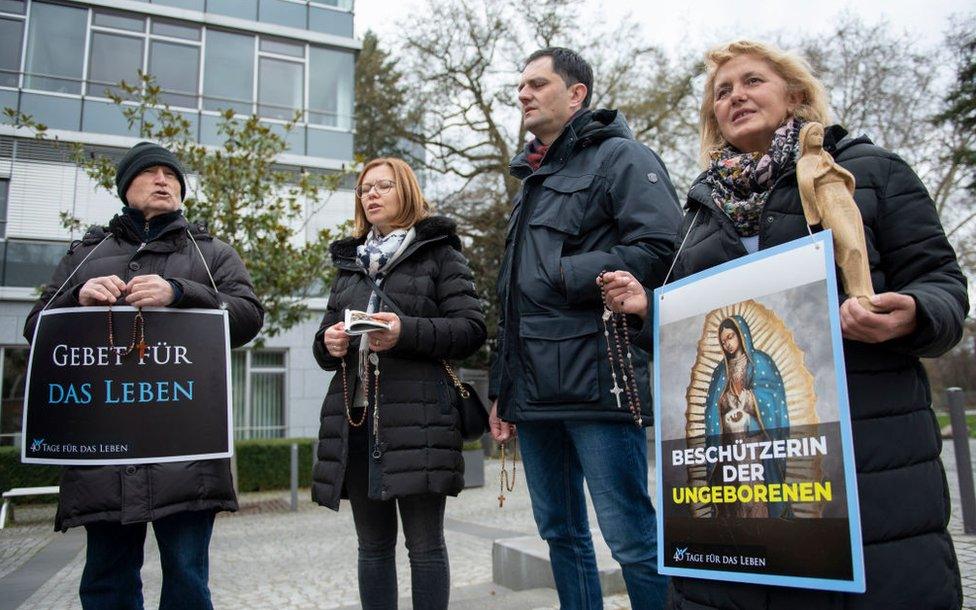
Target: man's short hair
x,y
570,66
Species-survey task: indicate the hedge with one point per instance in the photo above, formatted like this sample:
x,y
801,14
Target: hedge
x,y
14,474
262,464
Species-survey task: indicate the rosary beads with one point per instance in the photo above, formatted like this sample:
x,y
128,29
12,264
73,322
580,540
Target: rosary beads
x,y
138,334
619,356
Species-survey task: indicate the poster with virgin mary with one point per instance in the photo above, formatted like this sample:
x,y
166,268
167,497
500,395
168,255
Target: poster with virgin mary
x,y
746,400
755,472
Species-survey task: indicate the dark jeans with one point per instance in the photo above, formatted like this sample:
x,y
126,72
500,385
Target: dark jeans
x,y
612,458
376,529
111,578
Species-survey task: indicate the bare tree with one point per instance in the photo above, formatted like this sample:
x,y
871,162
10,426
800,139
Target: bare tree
x,y
883,84
464,66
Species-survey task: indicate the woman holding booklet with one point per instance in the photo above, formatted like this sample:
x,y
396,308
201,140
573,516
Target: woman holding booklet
x,y
755,102
388,439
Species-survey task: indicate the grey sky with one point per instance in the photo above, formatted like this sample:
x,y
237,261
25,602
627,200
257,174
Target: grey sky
x,y
701,23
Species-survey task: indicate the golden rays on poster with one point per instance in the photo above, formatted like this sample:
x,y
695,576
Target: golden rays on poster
x,y
769,335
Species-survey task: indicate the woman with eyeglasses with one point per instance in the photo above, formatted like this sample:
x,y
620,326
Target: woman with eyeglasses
x,y
388,439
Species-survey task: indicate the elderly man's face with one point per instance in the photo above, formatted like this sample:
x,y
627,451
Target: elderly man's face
x,y
154,191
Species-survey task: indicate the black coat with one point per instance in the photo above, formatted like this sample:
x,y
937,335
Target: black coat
x,y
419,444
600,201
134,494
908,554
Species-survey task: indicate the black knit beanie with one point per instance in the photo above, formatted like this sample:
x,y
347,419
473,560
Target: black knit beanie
x,y
141,156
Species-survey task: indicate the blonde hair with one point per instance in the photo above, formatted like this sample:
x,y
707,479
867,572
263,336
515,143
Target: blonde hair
x,y
413,206
792,68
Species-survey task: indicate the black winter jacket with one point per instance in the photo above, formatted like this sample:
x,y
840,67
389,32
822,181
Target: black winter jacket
x,y
141,493
908,554
600,201
419,445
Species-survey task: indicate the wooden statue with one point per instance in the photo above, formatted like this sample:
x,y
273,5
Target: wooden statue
x,y
827,193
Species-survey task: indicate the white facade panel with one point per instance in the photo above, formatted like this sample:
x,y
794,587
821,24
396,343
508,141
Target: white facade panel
x,y
329,212
39,192
93,204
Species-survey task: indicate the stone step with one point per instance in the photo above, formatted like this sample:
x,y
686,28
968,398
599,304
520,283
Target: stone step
x,y
489,597
522,564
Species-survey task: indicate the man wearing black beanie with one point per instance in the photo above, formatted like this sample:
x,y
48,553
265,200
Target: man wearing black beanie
x,y
150,256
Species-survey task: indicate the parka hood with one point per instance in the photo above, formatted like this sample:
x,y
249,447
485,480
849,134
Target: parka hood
x,y
432,228
588,127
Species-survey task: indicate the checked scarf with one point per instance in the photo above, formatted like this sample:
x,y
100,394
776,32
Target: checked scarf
x,y
376,253
741,182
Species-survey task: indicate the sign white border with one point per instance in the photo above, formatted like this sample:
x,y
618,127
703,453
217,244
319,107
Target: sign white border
x,y
766,273
24,458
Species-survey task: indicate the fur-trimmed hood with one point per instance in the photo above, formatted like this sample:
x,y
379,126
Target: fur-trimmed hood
x,y
429,230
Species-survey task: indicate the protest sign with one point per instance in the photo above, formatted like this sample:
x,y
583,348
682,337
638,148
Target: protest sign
x,y
755,468
157,391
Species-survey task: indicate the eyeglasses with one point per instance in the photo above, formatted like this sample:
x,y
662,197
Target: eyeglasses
x,y
382,187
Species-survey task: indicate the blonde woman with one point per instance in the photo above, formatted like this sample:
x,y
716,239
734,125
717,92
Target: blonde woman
x,y
388,439
755,102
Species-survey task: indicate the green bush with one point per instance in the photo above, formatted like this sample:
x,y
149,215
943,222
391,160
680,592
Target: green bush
x,y
261,465
14,474
264,464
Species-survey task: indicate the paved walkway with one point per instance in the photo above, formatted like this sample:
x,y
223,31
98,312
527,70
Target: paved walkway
x,y
268,557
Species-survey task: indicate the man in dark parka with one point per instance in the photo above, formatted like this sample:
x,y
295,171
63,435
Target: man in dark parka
x,y
592,198
146,257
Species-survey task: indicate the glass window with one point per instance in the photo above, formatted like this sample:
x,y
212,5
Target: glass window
x,y
31,264
228,74
11,36
330,87
282,12
330,21
267,358
193,5
56,47
55,111
242,9
4,190
113,58
267,405
176,68
13,6
282,47
238,380
259,394
12,404
281,88
174,29
120,21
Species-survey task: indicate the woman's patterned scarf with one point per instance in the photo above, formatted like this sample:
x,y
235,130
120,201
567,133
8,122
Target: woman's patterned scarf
x,y
741,182
376,253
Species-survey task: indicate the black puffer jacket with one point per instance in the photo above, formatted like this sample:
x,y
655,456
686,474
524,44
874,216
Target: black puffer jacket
x,y
908,554
419,444
134,494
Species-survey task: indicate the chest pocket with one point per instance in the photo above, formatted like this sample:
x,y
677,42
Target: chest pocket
x,y
563,203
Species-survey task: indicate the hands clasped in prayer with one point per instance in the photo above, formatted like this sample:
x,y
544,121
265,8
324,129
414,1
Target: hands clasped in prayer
x,y
141,291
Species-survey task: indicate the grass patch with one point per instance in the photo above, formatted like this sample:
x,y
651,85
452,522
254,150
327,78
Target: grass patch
x,y
970,422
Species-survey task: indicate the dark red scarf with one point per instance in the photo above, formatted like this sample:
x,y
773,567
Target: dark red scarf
x,y
537,152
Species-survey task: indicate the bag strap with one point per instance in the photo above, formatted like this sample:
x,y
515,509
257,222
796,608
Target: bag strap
x,y
383,296
463,391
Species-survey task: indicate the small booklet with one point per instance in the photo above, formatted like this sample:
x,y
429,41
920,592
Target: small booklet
x,y
360,323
